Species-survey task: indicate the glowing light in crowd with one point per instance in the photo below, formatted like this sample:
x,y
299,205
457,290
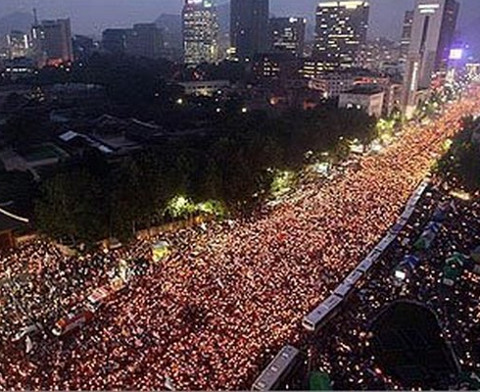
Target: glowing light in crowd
x,y
226,293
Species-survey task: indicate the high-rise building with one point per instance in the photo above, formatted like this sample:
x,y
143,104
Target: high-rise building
x,y
406,34
378,55
171,27
83,47
447,34
115,40
287,35
144,40
340,31
200,32
53,42
18,44
249,27
433,28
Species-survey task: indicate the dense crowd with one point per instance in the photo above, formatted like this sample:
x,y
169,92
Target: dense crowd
x,y
227,297
346,350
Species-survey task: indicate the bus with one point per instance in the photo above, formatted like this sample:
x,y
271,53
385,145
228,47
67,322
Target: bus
x,y
279,370
322,314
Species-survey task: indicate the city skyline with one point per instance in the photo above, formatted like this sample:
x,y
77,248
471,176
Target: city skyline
x,y
91,17
226,198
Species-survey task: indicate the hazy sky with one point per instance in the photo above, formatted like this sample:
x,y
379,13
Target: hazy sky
x,y
92,16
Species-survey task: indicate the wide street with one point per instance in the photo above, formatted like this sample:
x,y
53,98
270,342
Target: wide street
x,y
228,296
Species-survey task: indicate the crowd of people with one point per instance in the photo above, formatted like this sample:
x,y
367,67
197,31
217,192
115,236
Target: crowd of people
x,y
226,298
345,349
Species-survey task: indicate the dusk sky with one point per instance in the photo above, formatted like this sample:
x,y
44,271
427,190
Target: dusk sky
x,y
92,16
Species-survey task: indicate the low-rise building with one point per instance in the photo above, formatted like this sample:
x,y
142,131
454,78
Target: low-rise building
x,y
34,158
392,89
205,87
332,84
368,99
18,68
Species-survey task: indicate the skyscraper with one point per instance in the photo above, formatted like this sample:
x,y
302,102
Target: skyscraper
x,y
249,27
115,40
433,27
287,35
447,34
53,42
200,32
144,40
406,34
341,30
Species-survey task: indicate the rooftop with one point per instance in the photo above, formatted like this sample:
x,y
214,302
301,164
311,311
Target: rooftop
x,y
365,90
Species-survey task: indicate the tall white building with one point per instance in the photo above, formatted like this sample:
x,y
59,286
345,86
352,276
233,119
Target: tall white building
x,y
434,23
200,32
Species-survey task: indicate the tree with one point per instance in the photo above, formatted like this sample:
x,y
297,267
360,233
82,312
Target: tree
x,y
72,204
25,129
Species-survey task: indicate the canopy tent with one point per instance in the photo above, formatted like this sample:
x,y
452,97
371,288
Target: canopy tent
x,y
425,241
441,211
320,381
453,268
406,267
439,215
160,250
428,235
433,227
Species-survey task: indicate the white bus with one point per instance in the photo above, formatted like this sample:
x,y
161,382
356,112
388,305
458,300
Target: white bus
x,y
278,370
343,290
322,314
365,265
354,277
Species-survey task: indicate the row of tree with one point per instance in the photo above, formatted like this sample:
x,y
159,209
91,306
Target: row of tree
x,y
234,165
462,161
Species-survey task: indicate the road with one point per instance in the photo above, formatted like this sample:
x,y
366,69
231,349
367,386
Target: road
x,y
227,298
